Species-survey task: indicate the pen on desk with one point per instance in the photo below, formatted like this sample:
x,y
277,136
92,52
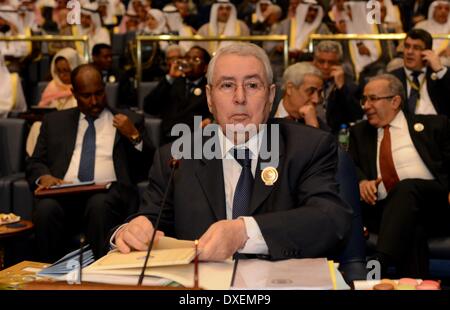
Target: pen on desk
x,y
196,265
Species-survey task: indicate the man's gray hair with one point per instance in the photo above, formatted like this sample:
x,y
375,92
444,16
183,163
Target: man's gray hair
x,y
296,73
175,47
329,47
395,87
241,49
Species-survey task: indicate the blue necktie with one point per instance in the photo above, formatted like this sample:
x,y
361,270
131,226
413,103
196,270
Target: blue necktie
x,y
244,187
414,94
87,158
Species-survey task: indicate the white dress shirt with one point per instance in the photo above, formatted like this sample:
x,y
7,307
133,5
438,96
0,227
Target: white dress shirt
x,y
105,134
231,173
407,161
281,110
424,106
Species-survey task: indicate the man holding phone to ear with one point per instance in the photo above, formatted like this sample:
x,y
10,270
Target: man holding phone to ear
x,y
424,77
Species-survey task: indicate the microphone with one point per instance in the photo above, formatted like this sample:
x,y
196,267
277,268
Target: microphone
x,y
80,273
173,164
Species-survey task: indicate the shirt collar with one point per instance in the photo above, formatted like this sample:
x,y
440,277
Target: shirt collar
x,y
399,120
253,144
281,110
409,72
102,114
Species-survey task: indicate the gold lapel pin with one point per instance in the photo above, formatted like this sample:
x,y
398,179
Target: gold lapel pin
x,y
197,91
418,127
269,175
111,79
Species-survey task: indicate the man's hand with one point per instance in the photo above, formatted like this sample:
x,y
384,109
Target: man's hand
x,y
432,59
222,240
363,50
136,235
368,190
48,180
309,114
174,72
125,126
337,72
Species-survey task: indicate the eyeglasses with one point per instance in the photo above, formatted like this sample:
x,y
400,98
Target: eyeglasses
x,y
251,87
373,98
194,60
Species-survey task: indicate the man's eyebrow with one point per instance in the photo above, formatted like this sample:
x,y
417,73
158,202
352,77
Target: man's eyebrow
x,y
247,77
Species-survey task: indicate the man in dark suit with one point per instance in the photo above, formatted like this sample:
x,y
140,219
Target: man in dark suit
x,y
402,163
178,100
303,88
285,205
302,93
340,104
89,143
424,78
102,58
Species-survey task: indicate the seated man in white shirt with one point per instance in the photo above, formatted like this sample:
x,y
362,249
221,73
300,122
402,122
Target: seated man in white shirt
x,y
283,203
91,142
402,162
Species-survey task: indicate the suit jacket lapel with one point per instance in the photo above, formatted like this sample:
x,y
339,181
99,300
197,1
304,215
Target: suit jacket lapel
x,y
71,133
210,176
114,112
260,190
371,150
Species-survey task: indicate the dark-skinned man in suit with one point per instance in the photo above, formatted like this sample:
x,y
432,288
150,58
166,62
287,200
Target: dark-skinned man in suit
x,y
89,143
227,202
402,162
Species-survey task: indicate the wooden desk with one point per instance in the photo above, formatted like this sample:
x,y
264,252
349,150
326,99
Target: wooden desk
x,y
15,229
10,231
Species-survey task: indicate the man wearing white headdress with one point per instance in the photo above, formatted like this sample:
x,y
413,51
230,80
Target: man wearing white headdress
x,y
175,25
11,26
307,20
438,22
364,52
11,93
109,10
222,21
91,25
261,7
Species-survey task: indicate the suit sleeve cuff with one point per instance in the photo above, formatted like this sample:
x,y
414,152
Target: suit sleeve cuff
x,y
255,243
112,243
139,146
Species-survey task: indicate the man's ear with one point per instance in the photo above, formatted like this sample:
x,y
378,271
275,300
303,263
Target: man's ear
x,y
208,98
288,88
397,101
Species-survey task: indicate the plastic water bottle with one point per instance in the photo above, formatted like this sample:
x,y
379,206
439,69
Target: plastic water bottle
x,y
344,137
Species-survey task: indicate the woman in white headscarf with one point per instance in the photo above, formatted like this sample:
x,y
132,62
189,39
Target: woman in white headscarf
x,y
11,93
362,52
155,25
58,93
438,22
219,26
